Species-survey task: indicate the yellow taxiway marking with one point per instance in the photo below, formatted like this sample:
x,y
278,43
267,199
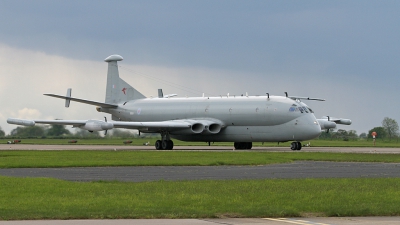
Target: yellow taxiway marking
x,y
294,221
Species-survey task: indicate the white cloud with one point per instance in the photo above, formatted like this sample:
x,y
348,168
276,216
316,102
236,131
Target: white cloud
x,y
26,113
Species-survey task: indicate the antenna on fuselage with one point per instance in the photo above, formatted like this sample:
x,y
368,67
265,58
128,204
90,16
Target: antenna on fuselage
x,y
160,93
68,96
267,95
286,94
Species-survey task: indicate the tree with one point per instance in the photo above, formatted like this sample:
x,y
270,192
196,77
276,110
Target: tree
x,y
363,135
57,130
381,132
325,135
391,127
86,134
32,131
122,133
2,133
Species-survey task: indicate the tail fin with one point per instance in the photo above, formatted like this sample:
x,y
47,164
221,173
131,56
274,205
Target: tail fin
x,y
117,90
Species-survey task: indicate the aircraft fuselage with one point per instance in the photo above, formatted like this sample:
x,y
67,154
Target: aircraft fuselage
x,y
242,118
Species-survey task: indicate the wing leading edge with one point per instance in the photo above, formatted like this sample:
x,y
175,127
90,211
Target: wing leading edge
x,y
186,126
98,125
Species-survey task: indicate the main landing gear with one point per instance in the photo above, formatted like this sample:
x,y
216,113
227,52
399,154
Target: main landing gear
x,y
165,143
243,145
295,146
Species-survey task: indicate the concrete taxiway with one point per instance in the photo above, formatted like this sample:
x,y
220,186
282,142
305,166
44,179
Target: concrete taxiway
x,y
229,221
196,148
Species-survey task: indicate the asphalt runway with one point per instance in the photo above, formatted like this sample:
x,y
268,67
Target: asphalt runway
x,y
298,169
306,169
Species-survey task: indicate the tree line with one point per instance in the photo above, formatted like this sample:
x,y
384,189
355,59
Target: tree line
x,y
388,130
59,131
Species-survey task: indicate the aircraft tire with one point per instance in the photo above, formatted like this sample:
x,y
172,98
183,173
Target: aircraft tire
x,y
164,145
158,145
298,146
293,146
170,145
249,145
243,145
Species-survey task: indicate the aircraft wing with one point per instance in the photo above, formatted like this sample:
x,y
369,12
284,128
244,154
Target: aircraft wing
x,y
99,125
172,124
337,120
185,126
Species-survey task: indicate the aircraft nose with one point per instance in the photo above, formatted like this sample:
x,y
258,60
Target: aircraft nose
x,y
316,128
312,128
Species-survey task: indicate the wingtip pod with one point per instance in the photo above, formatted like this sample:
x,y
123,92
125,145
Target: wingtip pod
x,y
21,122
345,122
337,120
114,58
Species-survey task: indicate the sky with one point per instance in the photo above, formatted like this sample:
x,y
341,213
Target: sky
x,y
346,52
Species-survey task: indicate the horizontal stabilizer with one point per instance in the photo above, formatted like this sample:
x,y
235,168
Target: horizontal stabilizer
x,y
104,105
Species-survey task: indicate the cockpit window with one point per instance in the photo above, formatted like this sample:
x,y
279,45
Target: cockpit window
x,y
301,109
310,110
305,109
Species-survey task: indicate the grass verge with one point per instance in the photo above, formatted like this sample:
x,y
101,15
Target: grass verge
x,y
43,159
45,198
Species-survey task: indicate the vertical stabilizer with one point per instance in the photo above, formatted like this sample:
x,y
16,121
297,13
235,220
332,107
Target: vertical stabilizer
x,y
117,90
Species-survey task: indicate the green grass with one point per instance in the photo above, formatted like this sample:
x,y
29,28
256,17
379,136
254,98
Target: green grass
x,y
31,159
44,198
139,141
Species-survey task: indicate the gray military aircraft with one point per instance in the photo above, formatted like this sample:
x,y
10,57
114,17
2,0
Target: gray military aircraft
x,y
238,119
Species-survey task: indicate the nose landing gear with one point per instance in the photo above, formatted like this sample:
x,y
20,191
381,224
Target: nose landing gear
x,y
295,146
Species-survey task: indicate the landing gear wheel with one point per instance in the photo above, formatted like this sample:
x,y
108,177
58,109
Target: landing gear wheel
x,y
170,145
243,145
298,146
249,145
164,145
158,145
295,146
